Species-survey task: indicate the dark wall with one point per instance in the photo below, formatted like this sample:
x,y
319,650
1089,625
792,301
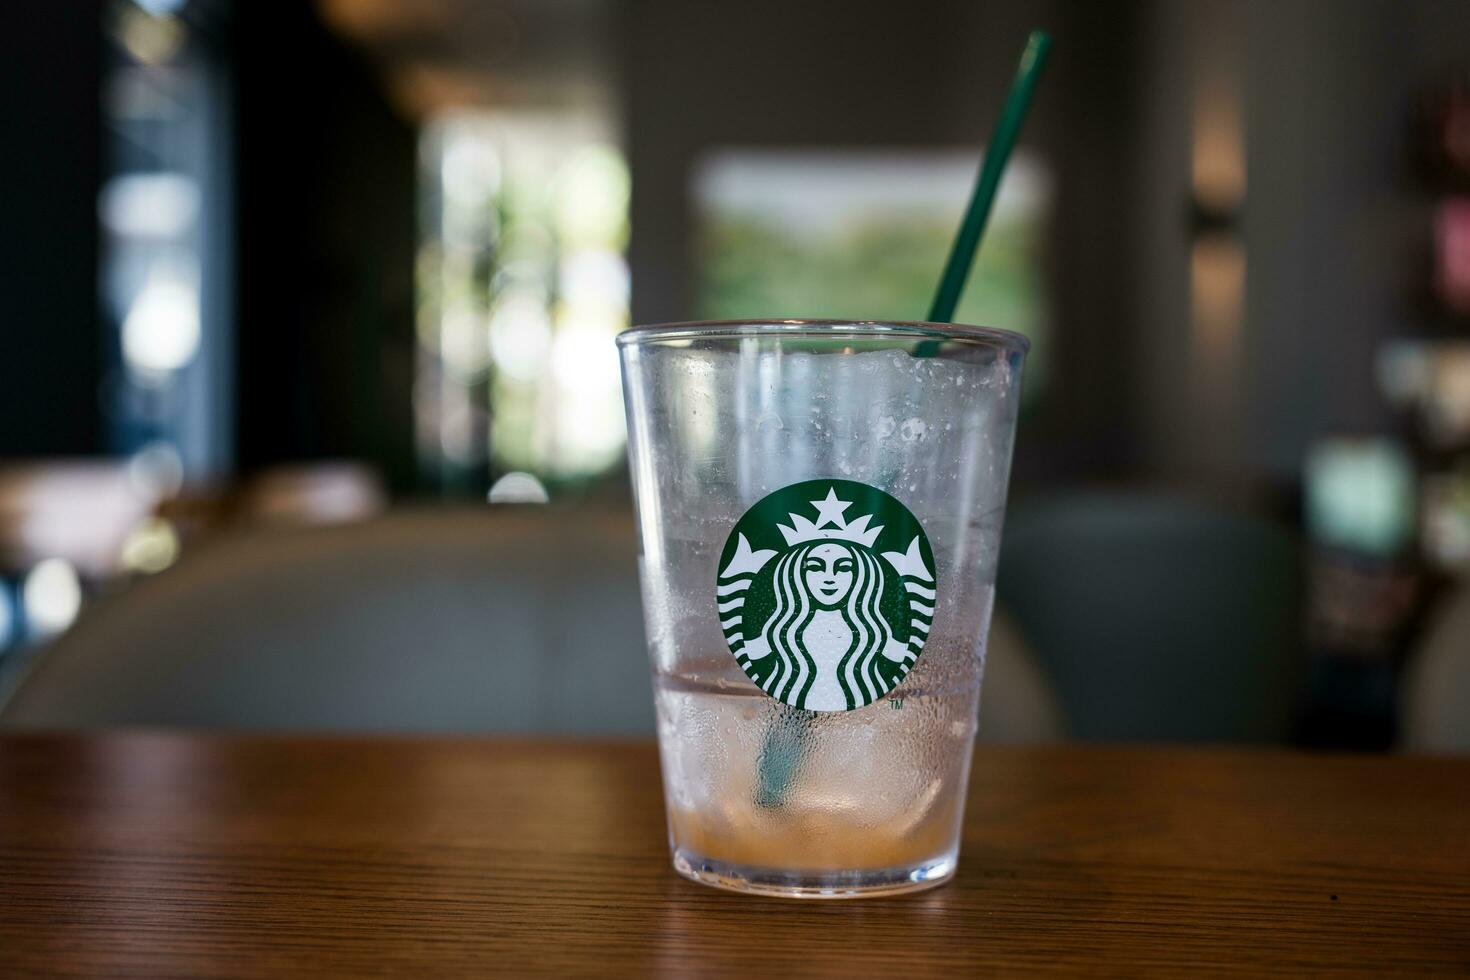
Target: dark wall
x,y
927,73
50,132
326,244
1337,226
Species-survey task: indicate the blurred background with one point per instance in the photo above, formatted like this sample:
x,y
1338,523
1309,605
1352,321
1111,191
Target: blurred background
x,y
310,414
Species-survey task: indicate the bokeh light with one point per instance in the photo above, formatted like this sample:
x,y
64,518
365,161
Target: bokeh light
x,y
151,547
518,488
51,597
160,333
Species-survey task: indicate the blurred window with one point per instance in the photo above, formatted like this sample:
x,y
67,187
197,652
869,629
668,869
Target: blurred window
x,y
164,226
864,234
522,287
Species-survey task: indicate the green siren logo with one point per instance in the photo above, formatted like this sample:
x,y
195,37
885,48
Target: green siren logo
x,y
827,612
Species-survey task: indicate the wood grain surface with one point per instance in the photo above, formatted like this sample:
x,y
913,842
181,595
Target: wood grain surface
x,y
203,856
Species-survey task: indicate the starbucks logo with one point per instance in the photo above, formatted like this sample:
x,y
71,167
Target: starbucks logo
x,y
826,594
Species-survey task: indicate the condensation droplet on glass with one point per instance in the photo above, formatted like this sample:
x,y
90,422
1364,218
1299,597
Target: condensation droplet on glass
x,y
775,420
913,429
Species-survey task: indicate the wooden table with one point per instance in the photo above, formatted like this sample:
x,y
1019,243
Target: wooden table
x,y
184,855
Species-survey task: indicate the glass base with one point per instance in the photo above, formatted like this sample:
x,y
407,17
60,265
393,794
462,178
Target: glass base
x,y
812,884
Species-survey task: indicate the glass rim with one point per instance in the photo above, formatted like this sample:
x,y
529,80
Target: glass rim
x,y
802,327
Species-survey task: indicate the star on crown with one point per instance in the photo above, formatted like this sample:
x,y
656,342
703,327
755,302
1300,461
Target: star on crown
x,y
829,511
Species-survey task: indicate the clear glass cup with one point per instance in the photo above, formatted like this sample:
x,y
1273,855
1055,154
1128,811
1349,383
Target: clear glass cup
x,y
819,506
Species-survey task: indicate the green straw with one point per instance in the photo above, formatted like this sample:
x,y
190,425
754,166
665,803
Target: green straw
x,y
782,747
1002,141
